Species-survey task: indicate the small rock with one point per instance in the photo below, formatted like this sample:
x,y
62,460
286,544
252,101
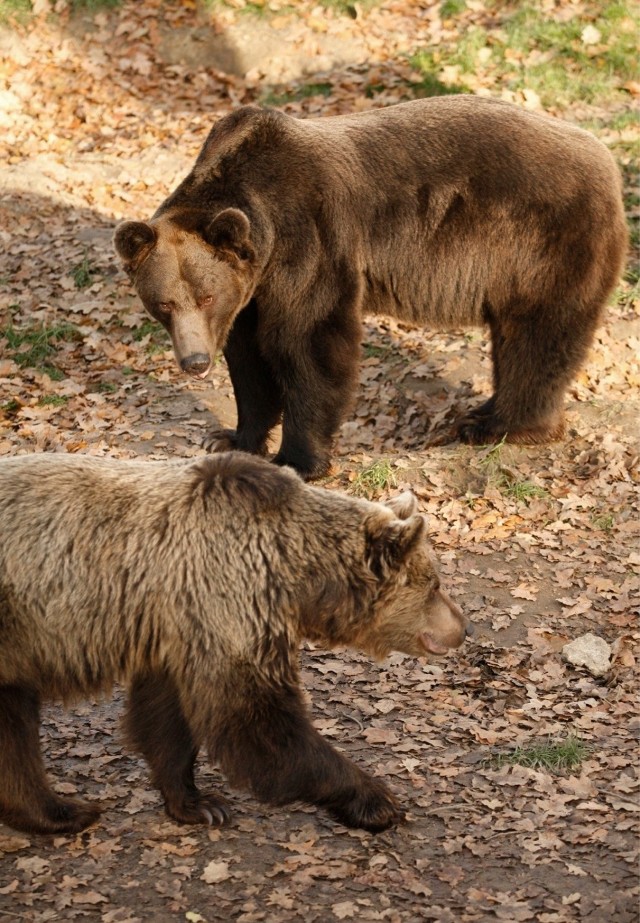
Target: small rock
x,y
589,651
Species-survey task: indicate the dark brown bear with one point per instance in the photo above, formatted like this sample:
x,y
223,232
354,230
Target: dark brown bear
x,y
447,212
194,583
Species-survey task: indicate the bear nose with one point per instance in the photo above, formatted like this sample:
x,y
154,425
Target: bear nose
x,y
195,364
469,630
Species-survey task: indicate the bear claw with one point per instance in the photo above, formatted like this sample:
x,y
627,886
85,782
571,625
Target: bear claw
x,y
205,809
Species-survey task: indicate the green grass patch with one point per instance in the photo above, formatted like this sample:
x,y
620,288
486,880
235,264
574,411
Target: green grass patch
x,y
521,490
20,11
429,64
10,408
491,453
146,328
16,10
619,121
94,5
605,522
249,8
346,7
530,50
377,477
54,373
158,337
631,179
551,57
261,7
53,400
106,387
82,274
506,479
451,8
33,346
307,91
557,756
371,351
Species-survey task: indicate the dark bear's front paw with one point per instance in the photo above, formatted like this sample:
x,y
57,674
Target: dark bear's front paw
x,y
220,440
480,411
479,429
200,809
229,440
373,808
310,468
52,815
74,816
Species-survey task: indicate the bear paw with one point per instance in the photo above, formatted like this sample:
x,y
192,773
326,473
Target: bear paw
x,y
220,440
374,808
229,440
309,468
477,429
53,815
200,809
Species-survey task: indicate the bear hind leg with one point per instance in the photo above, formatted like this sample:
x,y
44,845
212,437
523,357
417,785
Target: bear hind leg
x,y
159,730
27,801
535,356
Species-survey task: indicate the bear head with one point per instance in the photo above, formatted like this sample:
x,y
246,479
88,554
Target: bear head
x,y
193,274
391,599
411,612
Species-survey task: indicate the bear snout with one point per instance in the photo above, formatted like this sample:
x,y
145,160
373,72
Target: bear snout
x,y
448,627
198,364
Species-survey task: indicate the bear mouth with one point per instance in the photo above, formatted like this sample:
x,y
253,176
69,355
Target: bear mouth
x,y
431,646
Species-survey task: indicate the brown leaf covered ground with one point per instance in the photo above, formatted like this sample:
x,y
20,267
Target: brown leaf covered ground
x,y
101,114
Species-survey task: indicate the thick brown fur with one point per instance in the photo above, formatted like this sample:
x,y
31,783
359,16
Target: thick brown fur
x,y
447,212
194,583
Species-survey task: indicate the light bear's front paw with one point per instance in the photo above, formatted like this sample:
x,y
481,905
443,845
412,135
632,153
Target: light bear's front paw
x,y
372,808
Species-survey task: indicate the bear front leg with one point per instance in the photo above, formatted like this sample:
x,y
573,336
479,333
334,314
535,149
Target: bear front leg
x,y
318,381
266,743
27,801
257,393
158,729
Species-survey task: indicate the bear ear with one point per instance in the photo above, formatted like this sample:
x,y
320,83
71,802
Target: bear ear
x,y
404,505
230,231
132,238
389,543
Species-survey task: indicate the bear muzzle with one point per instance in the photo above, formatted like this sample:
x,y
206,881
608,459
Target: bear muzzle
x,y
448,628
198,365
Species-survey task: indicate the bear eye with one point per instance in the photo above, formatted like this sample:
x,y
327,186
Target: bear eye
x,y
164,307
206,301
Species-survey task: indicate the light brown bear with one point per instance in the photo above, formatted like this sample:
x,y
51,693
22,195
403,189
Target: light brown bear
x,y
445,212
194,584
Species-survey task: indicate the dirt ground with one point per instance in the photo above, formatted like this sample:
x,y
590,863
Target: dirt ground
x,y
539,545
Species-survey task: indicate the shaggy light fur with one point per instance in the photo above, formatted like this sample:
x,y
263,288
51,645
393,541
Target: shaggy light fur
x,y
194,583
